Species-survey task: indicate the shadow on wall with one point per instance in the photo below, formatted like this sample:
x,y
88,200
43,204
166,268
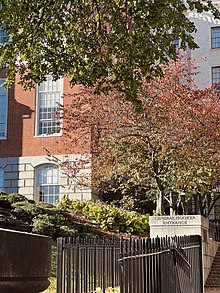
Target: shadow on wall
x,y
11,147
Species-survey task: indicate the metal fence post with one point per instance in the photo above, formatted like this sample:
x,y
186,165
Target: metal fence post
x,y
201,263
60,266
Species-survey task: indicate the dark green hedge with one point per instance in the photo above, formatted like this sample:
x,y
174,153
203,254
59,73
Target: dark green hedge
x,y
68,218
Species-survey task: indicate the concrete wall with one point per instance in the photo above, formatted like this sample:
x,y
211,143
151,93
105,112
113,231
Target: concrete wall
x,y
209,249
25,262
205,56
19,177
178,225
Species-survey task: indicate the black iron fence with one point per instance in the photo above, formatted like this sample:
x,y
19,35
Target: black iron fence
x,y
214,230
83,264
160,265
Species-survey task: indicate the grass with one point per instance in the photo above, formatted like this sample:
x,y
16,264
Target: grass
x,y
52,287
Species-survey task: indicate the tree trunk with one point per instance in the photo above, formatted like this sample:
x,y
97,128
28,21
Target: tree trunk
x,y
159,205
197,204
184,205
172,205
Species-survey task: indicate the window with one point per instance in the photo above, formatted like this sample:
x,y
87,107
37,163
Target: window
x,y
215,37
48,184
48,107
215,74
3,110
176,44
3,36
1,179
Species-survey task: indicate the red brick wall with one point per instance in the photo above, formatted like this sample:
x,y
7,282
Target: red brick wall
x,y
21,126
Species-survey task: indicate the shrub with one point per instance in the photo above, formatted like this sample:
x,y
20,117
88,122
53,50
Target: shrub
x,y
37,217
58,221
107,217
55,225
15,197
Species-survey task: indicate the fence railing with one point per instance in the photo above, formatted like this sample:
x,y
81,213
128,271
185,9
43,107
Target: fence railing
x,y
83,264
214,230
160,265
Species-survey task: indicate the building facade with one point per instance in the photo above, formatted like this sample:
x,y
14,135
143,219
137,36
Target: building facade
x,y
28,124
207,56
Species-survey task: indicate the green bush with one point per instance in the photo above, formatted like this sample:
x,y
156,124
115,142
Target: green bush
x,y
54,225
107,217
33,208
65,219
37,217
54,259
15,197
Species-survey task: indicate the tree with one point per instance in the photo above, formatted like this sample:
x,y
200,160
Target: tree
x,y
101,43
171,148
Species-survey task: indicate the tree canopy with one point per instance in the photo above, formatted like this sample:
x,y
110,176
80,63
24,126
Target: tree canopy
x,y
171,148
101,43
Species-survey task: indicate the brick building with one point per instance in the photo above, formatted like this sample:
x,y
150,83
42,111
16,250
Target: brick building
x,y
28,124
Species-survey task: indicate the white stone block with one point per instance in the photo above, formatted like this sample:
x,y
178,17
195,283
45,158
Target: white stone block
x,y
26,175
29,182
7,183
177,225
17,167
9,190
26,191
29,167
11,175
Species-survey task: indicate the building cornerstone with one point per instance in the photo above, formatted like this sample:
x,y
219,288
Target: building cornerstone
x,y
179,225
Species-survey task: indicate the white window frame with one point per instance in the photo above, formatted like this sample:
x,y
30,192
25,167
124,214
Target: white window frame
x,y
47,183
215,80
37,118
3,34
5,123
215,40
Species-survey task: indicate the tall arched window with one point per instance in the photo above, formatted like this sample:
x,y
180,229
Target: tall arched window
x,y
48,183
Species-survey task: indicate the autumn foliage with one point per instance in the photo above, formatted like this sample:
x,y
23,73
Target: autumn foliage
x,y
170,148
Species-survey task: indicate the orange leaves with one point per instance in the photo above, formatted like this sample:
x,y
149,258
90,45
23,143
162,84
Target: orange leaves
x,y
177,122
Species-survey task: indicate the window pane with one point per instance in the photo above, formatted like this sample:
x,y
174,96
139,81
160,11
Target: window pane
x,y
3,110
176,44
3,35
49,99
48,179
215,74
215,37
